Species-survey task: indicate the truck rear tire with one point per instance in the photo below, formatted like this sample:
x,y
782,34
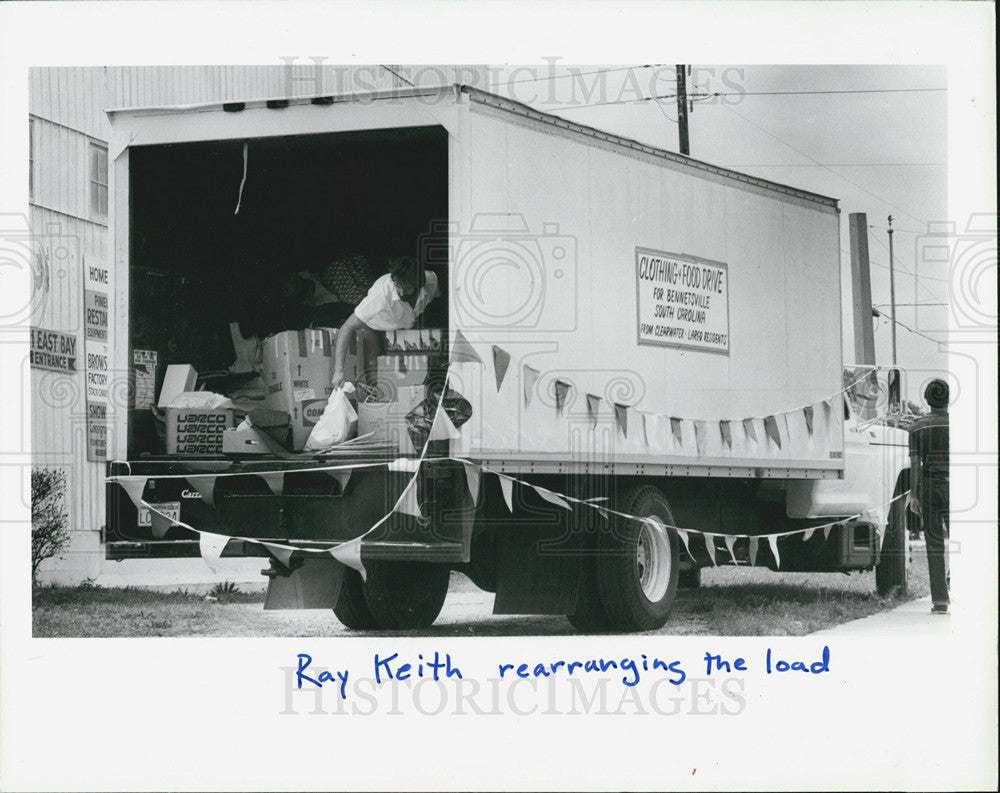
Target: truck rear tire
x,y
890,572
637,578
402,595
352,609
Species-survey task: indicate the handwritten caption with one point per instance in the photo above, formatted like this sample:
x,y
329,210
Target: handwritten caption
x,y
389,667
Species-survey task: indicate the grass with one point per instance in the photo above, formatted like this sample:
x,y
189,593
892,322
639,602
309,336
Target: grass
x,y
731,602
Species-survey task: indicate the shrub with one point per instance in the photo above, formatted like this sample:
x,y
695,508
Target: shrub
x,y
49,517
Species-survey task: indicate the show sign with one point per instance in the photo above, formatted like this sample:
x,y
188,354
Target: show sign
x,y
682,301
96,309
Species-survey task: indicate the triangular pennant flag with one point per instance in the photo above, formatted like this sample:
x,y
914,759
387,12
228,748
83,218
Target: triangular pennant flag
x,y
828,407
753,550
604,513
773,540
647,432
808,412
727,434
283,555
205,485
710,546
134,486
561,389
349,553
275,480
750,430
684,539
808,533
442,429
552,498
343,477
407,503
700,431
507,486
621,417
501,360
472,474
771,428
730,545
593,405
675,430
211,547
530,377
160,523
461,350
826,531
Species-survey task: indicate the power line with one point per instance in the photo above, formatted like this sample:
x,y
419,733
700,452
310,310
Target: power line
x,y
819,93
907,327
620,102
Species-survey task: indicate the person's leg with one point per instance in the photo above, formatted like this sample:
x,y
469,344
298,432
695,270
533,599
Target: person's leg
x,y
935,511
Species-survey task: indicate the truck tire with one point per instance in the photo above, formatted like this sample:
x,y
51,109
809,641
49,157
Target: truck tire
x,y
890,572
637,576
352,609
590,616
403,595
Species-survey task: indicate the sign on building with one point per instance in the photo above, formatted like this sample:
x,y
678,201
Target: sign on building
x,y
96,313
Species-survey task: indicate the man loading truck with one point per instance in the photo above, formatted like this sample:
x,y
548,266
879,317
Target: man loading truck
x,y
394,302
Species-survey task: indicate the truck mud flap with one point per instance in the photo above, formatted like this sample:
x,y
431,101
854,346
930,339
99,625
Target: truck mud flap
x,y
315,584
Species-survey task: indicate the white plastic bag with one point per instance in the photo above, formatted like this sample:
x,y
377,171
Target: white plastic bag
x,y
338,423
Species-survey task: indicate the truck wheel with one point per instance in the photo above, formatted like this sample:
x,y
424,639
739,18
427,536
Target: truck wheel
x,y
690,578
590,616
351,608
637,580
406,594
890,572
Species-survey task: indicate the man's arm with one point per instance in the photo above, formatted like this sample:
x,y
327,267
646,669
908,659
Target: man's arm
x,y
347,332
913,499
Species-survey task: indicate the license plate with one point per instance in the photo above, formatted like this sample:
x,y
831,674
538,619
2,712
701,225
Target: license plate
x,y
172,509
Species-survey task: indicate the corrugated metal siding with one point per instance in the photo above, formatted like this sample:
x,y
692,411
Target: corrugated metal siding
x,y
68,105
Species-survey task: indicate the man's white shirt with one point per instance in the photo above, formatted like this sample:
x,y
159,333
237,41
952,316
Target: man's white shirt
x,y
383,309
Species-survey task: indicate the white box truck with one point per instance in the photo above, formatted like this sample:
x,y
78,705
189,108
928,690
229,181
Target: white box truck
x,y
642,334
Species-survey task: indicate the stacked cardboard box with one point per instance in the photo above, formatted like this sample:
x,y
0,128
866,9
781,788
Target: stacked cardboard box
x,y
197,431
387,420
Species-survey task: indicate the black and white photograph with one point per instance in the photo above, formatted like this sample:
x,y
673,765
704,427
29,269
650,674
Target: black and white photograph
x,y
350,398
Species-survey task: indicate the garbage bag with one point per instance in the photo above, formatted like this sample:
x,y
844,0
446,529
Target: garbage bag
x,y
338,423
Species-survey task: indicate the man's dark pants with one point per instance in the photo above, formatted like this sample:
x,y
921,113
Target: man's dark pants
x,y
934,507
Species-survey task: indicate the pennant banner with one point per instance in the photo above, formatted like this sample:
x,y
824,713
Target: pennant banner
x,y
507,486
501,360
621,417
750,430
771,428
349,553
407,503
675,430
160,523
700,433
275,481
710,546
551,497
807,535
280,552
211,547
205,485
647,418
443,429
530,377
593,405
342,477
134,488
774,549
561,389
808,412
753,550
462,351
727,434
684,539
826,531
472,474
730,541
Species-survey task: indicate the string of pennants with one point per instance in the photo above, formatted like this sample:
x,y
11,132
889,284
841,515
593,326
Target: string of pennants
x,y
463,351
212,544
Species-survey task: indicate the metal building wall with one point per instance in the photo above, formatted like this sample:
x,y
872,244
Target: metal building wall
x,y
67,108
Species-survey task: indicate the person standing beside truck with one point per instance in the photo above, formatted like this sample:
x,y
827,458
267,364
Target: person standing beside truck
x,y
393,303
929,487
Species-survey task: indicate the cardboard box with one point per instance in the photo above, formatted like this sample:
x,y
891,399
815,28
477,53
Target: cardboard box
x,y
242,442
424,340
197,431
387,420
298,368
399,371
178,379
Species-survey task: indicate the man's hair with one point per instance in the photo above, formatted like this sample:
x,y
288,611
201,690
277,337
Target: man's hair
x,y
407,270
936,394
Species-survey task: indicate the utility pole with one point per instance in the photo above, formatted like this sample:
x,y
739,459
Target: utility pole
x,y
682,108
892,294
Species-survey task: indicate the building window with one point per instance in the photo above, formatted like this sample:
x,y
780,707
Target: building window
x,y
98,180
31,159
